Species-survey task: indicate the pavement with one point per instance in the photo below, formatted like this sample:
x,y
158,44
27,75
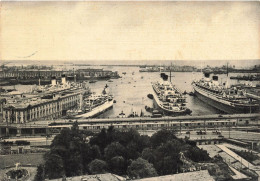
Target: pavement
x,y
240,159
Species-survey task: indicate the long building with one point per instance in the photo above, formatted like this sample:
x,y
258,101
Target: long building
x,y
45,103
48,74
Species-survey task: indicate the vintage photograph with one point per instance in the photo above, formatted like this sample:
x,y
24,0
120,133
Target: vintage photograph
x,y
129,90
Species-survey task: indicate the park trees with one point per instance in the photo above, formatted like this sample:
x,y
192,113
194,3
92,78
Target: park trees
x,y
141,168
120,152
98,166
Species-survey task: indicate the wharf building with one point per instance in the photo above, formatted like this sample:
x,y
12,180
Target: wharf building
x,y
96,73
44,103
48,74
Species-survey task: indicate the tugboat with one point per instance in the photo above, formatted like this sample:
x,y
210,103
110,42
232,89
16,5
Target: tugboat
x,y
227,99
169,98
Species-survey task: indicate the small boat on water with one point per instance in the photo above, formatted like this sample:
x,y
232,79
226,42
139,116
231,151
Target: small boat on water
x,y
122,115
92,81
150,96
149,109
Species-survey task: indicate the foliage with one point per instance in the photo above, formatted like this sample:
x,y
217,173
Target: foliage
x,y
162,137
98,166
247,155
141,168
196,154
118,165
117,152
114,149
40,173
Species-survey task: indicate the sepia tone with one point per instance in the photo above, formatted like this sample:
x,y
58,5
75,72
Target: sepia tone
x,y
108,90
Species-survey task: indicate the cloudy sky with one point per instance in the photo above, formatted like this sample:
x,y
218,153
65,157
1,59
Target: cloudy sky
x,y
129,31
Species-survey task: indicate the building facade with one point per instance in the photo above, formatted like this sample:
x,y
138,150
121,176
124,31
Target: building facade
x,y
47,105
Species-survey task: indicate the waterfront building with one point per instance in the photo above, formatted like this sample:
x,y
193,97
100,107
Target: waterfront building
x,y
48,102
47,74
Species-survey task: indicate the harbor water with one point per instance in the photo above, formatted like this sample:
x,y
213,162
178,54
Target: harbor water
x,y
130,91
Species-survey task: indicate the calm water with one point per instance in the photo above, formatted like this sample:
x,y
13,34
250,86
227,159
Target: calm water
x,y
130,91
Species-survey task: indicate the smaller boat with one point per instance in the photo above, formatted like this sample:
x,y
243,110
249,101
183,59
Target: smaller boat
x,y
92,81
156,114
148,109
150,96
191,94
122,115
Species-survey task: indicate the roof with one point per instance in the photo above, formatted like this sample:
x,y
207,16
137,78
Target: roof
x,y
188,176
98,177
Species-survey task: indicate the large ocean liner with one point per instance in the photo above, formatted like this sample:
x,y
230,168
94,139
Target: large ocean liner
x,y
94,105
169,98
231,99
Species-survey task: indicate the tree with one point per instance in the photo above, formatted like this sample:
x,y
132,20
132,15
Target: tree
x,y
162,136
196,154
98,166
132,150
167,157
54,166
148,154
141,168
40,175
118,165
115,149
101,140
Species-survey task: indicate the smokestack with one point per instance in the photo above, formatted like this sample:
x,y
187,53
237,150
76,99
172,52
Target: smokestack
x,y
164,76
215,79
63,79
53,81
206,74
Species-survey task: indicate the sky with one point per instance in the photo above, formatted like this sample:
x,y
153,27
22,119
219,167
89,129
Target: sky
x,y
128,31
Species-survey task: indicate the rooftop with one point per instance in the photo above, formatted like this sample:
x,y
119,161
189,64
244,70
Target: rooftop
x,y
98,177
188,176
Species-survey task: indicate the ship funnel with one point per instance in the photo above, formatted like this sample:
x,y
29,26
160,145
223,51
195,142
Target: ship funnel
x,y
63,79
215,79
53,81
164,76
206,74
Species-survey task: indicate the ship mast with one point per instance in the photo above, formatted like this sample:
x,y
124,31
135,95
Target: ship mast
x,y
227,82
171,73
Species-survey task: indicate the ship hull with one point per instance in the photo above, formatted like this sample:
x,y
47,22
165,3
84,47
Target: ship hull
x,y
157,104
97,110
223,106
170,113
